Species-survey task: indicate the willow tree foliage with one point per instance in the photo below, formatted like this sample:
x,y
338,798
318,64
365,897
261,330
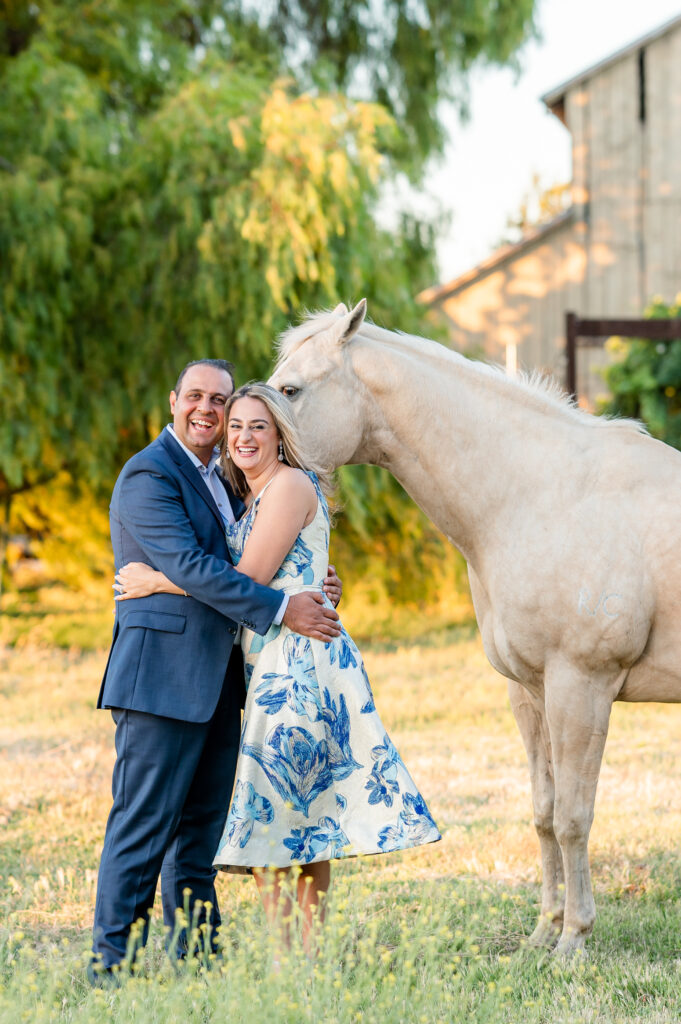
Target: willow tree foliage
x,y
145,225
410,56
179,179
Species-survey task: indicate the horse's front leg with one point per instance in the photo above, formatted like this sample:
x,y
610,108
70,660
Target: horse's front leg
x,y
529,714
578,714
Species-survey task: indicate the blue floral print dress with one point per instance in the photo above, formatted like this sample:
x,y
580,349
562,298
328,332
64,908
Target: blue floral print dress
x,y
317,776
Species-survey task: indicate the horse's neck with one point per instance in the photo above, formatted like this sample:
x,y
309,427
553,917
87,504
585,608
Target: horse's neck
x,y
460,440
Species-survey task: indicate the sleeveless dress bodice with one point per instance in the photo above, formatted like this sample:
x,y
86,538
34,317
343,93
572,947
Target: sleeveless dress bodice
x,y
304,568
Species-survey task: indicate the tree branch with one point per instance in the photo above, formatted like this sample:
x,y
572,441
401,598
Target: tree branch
x,y
7,492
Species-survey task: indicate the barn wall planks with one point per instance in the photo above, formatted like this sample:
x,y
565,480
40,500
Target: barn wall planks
x,y
622,243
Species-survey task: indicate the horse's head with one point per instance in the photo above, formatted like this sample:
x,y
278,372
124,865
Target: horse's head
x,y
315,373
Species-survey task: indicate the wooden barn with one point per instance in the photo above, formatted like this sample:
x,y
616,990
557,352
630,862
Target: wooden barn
x,y
617,245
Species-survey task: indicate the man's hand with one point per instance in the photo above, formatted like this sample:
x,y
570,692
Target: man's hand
x,y
333,586
307,614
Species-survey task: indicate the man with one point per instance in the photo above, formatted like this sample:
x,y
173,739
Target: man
x,y
174,679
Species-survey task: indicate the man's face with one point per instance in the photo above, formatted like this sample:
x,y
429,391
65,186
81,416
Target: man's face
x,y
199,409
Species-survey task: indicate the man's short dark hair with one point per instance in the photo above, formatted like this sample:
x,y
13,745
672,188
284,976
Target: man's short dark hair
x,y
218,364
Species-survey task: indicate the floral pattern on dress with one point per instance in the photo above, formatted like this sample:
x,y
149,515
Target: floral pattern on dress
x,y
306,843
318,776
247,808
296,765
297,688
337,721
342,648
382,783
414,825
297,564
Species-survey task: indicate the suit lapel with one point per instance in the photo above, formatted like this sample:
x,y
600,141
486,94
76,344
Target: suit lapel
x,y
191,473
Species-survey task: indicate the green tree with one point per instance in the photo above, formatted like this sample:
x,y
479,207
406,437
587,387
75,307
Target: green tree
x,y
162,194
408,55
165,194
645,381
124,253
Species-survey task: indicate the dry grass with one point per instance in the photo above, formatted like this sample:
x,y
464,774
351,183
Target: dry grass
x,y
448,713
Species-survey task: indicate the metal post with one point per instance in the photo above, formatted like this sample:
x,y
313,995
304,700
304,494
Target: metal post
x,y
571,354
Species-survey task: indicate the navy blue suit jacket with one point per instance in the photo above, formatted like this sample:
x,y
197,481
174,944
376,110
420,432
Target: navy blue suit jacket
x,y
169,653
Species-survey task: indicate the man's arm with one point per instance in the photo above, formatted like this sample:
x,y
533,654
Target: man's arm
x,y
154,514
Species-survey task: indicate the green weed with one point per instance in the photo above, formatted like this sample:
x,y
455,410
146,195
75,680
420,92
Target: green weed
x,y
433,935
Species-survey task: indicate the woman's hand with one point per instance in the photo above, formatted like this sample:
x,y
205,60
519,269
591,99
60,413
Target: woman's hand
x,y
138,580
332,586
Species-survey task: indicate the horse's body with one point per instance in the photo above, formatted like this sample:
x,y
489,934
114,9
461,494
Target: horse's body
x,y
571,529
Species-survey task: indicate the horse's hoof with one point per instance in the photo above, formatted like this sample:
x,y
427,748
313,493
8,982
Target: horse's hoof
x,y
570,945
545,935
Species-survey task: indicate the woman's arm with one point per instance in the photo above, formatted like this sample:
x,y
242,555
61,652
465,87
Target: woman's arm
x,y
139,580
288,505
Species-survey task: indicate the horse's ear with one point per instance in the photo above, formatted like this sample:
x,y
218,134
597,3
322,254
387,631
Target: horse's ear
x,y
341,309
352,322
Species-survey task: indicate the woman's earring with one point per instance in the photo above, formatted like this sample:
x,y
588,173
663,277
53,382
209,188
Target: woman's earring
x,y
227,455
280,456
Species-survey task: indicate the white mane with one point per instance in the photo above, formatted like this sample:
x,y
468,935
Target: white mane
x,y
536,387
291,340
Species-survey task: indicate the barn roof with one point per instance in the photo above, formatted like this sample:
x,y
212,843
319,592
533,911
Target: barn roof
x,y
554,97
496,260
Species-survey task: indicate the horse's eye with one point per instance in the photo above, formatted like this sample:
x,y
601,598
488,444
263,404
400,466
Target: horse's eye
x,y
289,391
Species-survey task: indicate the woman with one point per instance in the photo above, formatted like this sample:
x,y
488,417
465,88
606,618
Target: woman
x,y
318,777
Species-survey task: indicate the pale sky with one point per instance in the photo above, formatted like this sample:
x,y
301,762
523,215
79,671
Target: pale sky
x,y
490,161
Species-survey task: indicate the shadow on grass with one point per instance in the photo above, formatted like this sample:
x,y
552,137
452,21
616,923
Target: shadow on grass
x,y
433,639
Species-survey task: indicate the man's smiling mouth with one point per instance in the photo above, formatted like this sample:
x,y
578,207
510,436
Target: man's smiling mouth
x,y
202,424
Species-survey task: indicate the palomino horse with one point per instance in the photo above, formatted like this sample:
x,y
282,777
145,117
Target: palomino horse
x,y
571,529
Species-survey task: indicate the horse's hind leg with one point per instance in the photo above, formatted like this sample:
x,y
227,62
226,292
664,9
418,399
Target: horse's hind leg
x,y
531,719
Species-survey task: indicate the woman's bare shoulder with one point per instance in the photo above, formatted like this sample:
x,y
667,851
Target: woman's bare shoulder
x,y
290,483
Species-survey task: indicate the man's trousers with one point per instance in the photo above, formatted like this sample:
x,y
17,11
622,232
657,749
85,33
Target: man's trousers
x,y
172,782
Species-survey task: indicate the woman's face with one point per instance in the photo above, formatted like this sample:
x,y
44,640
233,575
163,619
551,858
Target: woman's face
x,y
252,437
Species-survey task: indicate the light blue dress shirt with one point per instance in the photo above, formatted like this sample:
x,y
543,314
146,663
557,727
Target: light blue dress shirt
x,y
210,477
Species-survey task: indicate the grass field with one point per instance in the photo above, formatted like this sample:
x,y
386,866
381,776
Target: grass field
x,y
433,935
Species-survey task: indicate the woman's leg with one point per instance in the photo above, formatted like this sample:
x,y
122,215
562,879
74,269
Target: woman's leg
x,y
276,893
277,888
313,885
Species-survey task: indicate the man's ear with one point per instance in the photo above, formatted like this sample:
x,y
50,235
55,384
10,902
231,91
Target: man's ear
x,y
172,398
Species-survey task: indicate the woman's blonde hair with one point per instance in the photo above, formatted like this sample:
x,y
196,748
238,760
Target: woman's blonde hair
x,y
293,448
